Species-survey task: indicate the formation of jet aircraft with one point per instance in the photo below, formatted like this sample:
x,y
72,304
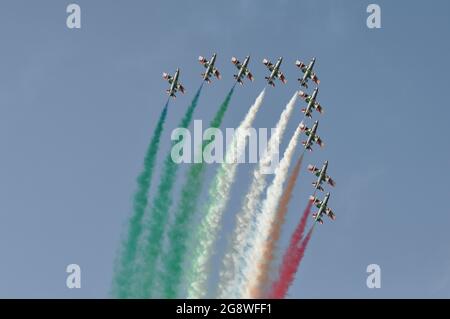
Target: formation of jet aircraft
x,y
311,100
322,205
312,104
311,133
243,71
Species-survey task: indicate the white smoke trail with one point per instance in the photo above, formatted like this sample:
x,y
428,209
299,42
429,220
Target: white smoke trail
x,y
218,198
231,273
253,258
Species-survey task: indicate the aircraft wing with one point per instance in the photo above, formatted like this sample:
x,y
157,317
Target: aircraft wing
x,y
167,77
203,61
303,95
282,77
268,64
319,141
313,169
301,65
330,181
181,88
330,213
303,127
316,202
217,73
314,78
318,107
236,62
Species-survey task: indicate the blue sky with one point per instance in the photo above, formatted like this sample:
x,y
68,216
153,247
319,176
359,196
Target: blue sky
x,y
77,108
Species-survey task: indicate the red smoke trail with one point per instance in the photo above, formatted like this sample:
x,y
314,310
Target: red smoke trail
x,y
292,257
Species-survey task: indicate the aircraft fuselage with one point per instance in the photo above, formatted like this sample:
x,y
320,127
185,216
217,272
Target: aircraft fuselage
x,y
308,70
274,73
311,102
210,68
243,68
311,136
323,207
173,86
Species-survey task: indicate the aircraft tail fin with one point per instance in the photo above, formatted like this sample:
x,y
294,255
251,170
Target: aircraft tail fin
x,y
317,219
269,81
308,147
303,83
318,186
306,114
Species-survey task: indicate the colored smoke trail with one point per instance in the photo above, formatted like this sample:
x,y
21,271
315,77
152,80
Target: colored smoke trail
x,y
152,245
230,273
125,264
218,197
252,259
280,216
292,259
180,230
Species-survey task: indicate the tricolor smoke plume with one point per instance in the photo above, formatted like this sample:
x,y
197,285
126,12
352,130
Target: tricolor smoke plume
x,y
251,287
218,198
275,231
242,234
180,231
291,259
125,265
152,245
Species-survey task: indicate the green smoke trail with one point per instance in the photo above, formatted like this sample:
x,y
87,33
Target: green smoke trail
x,y
124,266
180,231
159,214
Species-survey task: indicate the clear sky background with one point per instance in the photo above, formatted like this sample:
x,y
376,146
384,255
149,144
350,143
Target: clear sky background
x,y
77,108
